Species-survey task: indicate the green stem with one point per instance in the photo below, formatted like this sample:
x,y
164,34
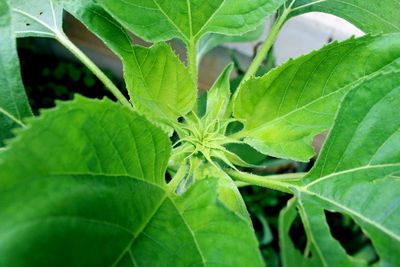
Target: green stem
x,y
284,183
192,59
267,45
96,71
179,176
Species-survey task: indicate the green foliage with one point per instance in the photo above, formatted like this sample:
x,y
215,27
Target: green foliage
x,y
41,18
189,20
159,84
14,106
370,16
355,176
286,108
85,184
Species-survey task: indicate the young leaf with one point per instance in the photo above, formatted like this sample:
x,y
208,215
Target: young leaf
x,y
218,97
14,106
103,200
286,108
40,18
358,174
159,84
370,16
161,20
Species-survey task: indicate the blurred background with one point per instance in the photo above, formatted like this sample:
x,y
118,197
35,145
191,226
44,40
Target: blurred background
x,y
51,73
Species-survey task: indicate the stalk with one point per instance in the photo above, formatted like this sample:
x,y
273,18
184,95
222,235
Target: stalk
x,y
192,59
96,70
267,45
284,183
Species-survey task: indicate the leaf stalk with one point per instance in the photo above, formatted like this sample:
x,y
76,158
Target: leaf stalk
x,y
284,183
96,70
268,43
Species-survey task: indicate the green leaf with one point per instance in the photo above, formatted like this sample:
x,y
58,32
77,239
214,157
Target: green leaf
x,y
159,84
286,108
14,105
39,18
370,16
90,191
358,174
289,254
212,40
98,21
218,98
162,20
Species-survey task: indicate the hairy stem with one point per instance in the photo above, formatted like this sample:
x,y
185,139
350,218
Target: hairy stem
x,y
192,59
284,183
96,71
267,45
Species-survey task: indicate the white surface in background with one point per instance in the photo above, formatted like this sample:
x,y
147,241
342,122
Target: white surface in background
x,y
303,34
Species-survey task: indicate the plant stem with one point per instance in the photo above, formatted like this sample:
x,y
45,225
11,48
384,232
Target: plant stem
x,y
284,183
177,179
96,70
192,59
267,45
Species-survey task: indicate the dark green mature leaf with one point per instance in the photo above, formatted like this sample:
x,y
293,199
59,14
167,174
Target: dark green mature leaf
x,y
370,16
161,20
358,174
14,106
285,109
41,18
103,201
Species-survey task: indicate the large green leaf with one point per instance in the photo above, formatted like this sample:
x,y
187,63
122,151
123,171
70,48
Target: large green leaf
x,y
90,191
285,109
41,18
159,84
358,174
14,106
370,16
161,20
